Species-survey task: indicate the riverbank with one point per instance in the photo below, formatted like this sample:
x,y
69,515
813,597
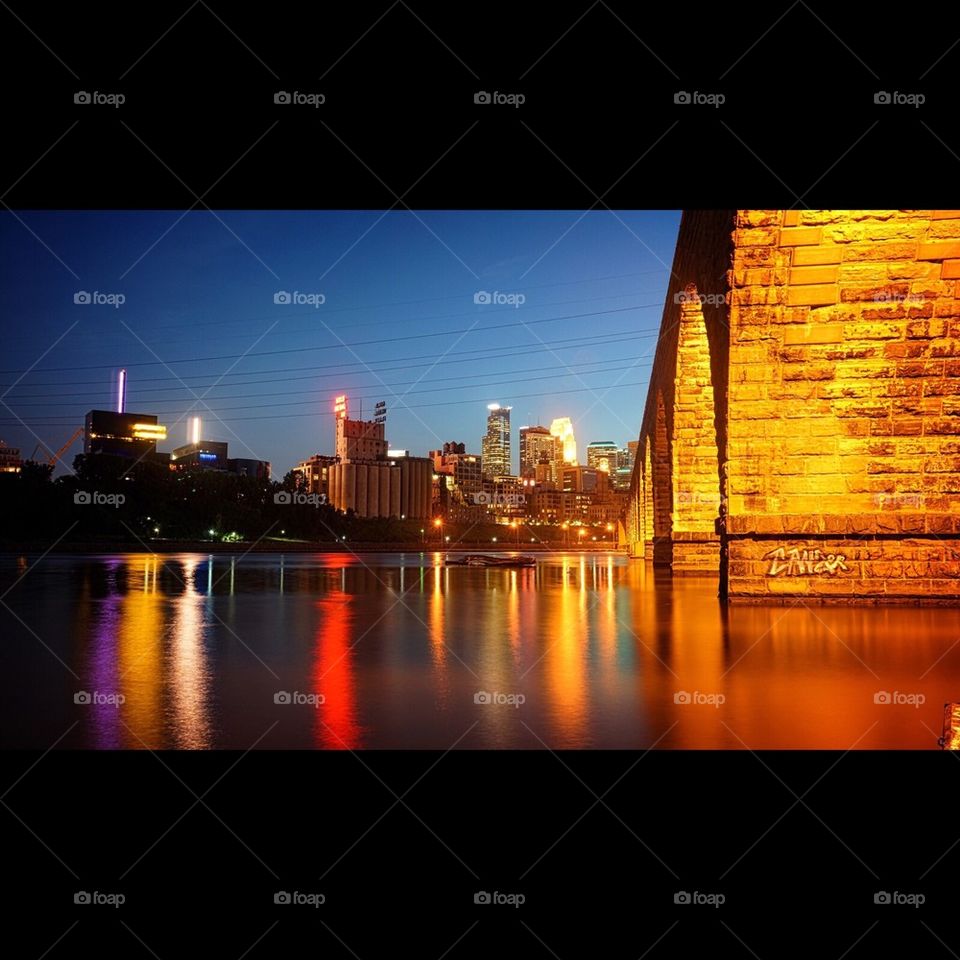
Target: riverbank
x,y
298,546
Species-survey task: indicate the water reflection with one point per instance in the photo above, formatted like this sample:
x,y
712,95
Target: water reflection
x,y
337,725
189,682
603,652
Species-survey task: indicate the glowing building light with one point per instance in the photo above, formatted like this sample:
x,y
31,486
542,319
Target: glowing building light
x,y
562,428
340,407
149,431
121,391
951,727
194,429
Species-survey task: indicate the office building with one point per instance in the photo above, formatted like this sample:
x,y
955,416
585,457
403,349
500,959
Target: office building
x,y
603,455
537,445
495,447
583,480
313,474
131,435
562,429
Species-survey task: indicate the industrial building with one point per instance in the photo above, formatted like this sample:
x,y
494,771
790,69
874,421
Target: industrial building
x,y
131,435
202,454
383,488
10,461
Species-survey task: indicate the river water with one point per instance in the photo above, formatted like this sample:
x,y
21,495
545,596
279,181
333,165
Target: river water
x,y
396,651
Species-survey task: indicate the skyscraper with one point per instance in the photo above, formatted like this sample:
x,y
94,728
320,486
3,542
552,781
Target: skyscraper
x,y
495,446
536,445
604,455
562,428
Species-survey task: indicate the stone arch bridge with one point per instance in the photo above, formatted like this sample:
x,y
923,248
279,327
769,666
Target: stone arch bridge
x,y
801,433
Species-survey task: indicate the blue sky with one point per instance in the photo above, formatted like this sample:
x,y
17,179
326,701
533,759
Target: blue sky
x,y
199,332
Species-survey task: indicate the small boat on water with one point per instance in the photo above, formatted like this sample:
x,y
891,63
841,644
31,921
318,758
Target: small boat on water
x,y
485,560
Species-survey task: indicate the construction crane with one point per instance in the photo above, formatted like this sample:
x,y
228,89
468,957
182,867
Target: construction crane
x,y
54,457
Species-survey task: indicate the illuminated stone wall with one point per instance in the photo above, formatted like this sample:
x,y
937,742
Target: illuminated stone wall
x,y
830,419
683,435
844,405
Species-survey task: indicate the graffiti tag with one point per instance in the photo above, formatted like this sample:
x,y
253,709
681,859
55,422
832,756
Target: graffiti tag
x,y
798,562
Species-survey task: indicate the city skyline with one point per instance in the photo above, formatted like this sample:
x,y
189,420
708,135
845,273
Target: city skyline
x,y
192,318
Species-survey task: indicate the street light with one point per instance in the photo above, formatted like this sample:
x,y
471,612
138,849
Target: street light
x,y
421,534
438,523
566,534
581,533
516,526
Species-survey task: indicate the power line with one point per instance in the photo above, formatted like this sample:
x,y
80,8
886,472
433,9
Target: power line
x,y
412,406
337,346
557,373
469,356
